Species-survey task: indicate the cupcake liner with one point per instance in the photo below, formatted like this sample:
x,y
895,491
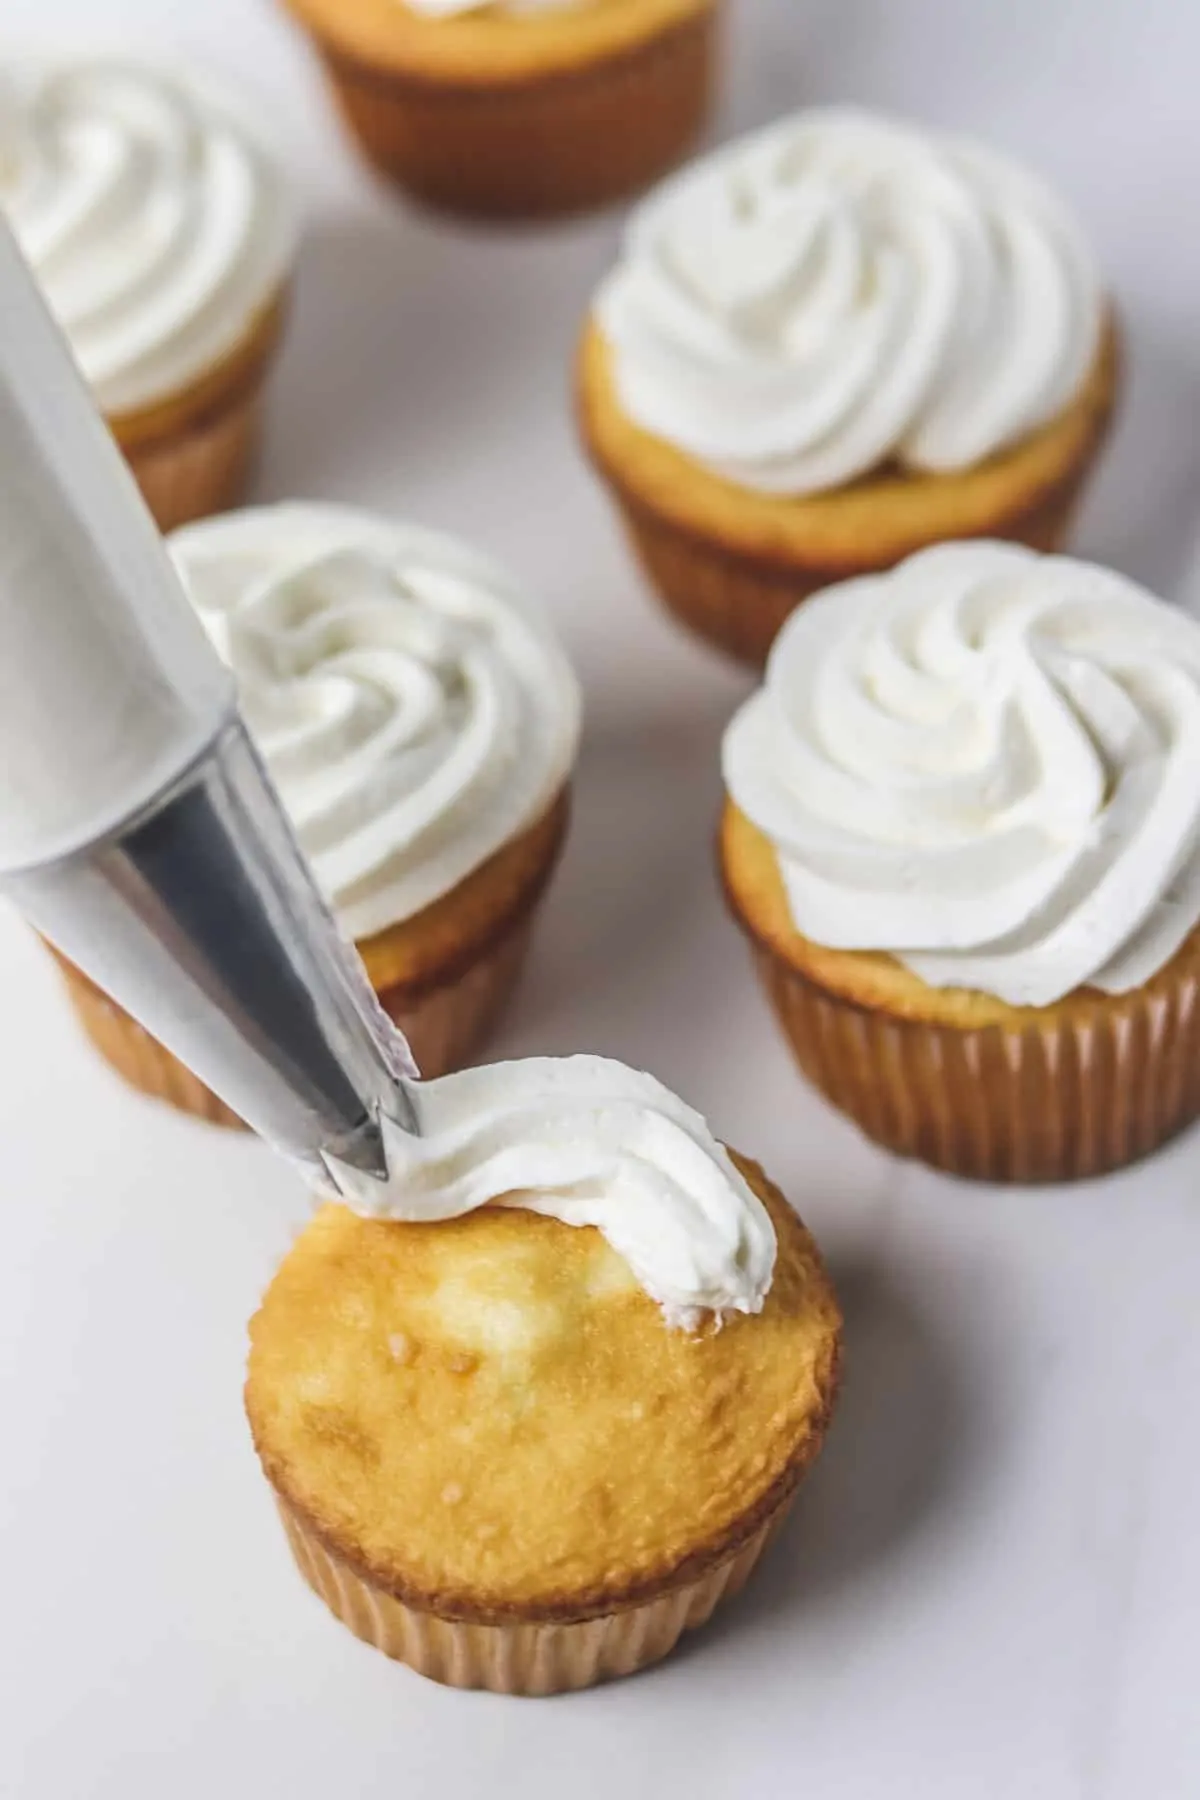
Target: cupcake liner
x,y
562,144
739,602
203,467
136,1056
445,1027
1096,1084
195,455
531,1658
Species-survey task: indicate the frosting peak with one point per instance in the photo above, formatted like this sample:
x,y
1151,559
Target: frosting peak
x,y
156,224
840,291
985,763
588,1142
413,710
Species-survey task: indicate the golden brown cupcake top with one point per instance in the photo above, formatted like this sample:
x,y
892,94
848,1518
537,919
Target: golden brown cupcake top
x,y
490,45
871,979
866,525
442,941
491,1416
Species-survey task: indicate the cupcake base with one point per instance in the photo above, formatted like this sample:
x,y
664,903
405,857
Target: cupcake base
x,y
444,976
392,1431
138,1058
445,1028
732,564
449,1026
194,455
960,1079
526,1658
1097,1086
566,142
740,603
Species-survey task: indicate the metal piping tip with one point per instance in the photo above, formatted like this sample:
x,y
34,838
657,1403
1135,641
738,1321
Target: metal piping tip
x,y
366,1181
147,841
201,918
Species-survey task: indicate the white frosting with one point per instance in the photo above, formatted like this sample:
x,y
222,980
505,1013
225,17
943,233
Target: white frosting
x,y
157,225
841,291
413,710
588,1142
987,763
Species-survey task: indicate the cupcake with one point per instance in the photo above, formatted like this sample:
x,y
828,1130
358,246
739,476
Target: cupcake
x,y
518,108
163,236
536,1406
831,345
420,724
963,838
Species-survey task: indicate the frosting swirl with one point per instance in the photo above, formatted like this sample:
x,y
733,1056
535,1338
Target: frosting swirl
x,y
156,224
841,291
588,1142
984,762
414,712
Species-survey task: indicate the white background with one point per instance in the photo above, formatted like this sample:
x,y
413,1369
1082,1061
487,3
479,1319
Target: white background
x,y
992,1583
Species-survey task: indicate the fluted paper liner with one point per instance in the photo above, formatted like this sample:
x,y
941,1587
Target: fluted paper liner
x,y
445,1027
1098,1083
195,456
136,1056
531,1658
202,468
562,144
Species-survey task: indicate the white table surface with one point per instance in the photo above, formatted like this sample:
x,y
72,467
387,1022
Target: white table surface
x,y
991,1587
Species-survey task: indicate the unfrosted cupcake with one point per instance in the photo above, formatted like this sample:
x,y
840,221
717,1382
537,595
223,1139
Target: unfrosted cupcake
x,y
830,345
538,1405
518,107
420,723
163,236
963,837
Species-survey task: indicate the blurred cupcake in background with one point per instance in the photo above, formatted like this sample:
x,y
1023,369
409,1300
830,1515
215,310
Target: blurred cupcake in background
x,y
963,838
518,108
164,236
830,345
421,725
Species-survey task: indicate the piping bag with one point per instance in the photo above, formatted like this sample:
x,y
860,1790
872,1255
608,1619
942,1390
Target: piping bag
x,y
139,831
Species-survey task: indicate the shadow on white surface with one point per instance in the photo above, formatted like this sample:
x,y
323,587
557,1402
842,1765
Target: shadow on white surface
x,y
409,338
902,1445
776,58
370,289
640,861
1143,514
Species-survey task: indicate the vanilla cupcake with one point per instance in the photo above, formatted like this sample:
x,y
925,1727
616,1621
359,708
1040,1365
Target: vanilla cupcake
x,y
163,236
539,1404
420,723
831,345
518,107
963,838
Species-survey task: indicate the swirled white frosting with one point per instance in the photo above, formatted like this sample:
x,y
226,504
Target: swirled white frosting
x,y
841,291
589,1142
413,710
987,763
157,225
